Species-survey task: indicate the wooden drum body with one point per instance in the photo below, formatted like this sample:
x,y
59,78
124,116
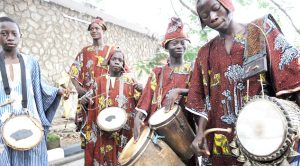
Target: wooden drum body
x,y
22,132
111,119
264,131
173,125
147,153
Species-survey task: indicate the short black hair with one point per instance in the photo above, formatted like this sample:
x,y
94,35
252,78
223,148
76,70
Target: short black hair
x,y
7,19
167,45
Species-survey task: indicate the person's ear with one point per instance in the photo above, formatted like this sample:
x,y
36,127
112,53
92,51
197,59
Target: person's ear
x,y
21,35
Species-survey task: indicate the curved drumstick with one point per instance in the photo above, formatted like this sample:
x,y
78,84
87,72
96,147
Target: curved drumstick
x,y
228,130
9,101
295,137
71,91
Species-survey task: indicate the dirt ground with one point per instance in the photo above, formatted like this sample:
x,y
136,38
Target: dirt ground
x,y
65,128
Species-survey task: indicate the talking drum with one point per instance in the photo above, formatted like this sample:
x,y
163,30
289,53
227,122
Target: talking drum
x,y
111,119
174,126
147,153
265,131
22,132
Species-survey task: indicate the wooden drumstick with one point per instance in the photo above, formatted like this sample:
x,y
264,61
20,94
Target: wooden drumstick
x,y
9,101
228,130
295,137
70,91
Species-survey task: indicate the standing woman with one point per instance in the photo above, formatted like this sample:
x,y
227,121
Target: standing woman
x,y
91,62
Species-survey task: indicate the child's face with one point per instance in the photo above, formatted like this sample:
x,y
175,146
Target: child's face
x,y
9,35
116,62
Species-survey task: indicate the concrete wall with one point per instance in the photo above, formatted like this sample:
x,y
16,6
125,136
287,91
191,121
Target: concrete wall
x,y
55,33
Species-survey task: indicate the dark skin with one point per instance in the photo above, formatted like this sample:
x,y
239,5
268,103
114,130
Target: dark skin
x,y
116,64
116,68
215,16
97,33
176,48
9,39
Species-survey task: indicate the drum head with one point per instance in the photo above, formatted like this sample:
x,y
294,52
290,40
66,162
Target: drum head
x,y
261,127
132,151
112,119
160,117
22,132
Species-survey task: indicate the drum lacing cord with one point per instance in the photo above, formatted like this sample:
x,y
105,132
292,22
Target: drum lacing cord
x,y
121,99
160,89
87,94
261,84
107,91
85,121
156,138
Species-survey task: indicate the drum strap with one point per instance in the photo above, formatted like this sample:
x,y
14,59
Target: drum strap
x,y
107,91
120,98
23,78
160,89
260,50
108,51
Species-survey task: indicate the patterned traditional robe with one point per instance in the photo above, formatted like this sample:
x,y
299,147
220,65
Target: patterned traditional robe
x,y
42,104
177,77
218,91
104,147
87,67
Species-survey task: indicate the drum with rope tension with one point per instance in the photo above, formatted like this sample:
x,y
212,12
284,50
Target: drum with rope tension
x,y
266,130
112,119
148,152
174,126
22,132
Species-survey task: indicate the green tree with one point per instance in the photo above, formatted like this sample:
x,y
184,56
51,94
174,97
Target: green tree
x,y
144,67
160,58
278,9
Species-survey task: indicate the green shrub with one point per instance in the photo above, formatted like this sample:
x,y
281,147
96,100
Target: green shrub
x,y
52,137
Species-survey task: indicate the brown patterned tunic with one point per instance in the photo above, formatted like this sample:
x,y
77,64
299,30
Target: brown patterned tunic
x,y
218,90
103,148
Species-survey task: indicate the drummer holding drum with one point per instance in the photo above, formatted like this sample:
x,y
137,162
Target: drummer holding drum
x,y
27,105
167,85
243,61
110,124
